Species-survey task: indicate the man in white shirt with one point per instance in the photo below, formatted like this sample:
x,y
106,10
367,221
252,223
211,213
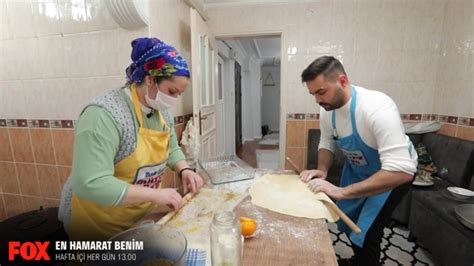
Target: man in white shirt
x,y
380,159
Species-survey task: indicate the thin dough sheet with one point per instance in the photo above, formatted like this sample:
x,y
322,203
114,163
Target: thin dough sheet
x,y
287,194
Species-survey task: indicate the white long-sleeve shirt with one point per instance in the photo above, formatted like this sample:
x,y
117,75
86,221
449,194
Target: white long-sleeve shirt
x,y
380,127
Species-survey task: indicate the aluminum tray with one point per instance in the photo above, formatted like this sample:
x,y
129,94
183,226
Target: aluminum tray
x,y
224,169
465,214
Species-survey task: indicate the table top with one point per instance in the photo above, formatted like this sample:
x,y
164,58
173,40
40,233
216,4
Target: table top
x,y
285,240
280,239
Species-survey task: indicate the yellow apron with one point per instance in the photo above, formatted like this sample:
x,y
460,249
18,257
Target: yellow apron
x,y
145,166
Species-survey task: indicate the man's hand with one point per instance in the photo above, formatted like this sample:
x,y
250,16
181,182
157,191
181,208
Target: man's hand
x,y
191,181
319,185
169,197
307,175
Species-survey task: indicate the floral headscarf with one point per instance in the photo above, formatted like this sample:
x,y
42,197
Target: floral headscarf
x,y
153,57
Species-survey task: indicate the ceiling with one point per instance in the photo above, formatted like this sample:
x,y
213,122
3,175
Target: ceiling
x,y
266,48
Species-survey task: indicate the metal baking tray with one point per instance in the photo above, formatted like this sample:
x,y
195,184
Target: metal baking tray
x,y
465,214
224,169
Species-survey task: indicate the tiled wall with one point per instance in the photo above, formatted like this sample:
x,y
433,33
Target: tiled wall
x,y
56,55
420,53
297,127
298,124
454,91
391,46
35,161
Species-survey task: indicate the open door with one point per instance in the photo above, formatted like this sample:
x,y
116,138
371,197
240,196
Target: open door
x,y
204,82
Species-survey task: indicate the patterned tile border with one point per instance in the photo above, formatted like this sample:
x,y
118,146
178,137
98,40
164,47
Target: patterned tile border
x,y
297,116
43,123
462,121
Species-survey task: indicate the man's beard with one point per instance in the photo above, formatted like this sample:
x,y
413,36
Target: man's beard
x,y
337,103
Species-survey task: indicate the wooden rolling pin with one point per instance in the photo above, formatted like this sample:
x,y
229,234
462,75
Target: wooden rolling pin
x,y
331,205
293,165
172,214
343,216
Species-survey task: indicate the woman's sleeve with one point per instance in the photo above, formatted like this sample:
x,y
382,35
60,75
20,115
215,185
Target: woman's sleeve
x,y
95,146
175,153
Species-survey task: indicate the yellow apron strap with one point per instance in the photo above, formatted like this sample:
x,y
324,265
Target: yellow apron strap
x,y
138,109
136,105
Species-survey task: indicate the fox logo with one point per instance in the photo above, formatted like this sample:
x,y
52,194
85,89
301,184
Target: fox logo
x,y
28,250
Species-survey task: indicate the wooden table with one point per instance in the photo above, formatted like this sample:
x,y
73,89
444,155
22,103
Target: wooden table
x,y
280,239
285,240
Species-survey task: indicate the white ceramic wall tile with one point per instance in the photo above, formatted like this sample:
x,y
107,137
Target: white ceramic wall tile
x,y
21,19
71,99
12,67
393,39
310,103
46,17
54,102
364,66
3,64
98,16
296,103
102,59
73,16
422,33
428,90
123,46
8,106
52,58
5,32
36,100
102,84
21,58
17,107
77,54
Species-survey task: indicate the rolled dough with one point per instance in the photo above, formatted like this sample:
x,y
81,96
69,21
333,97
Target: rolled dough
x,y
287,194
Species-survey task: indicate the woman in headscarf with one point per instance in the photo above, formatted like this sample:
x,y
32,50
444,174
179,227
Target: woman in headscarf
x,y
124,140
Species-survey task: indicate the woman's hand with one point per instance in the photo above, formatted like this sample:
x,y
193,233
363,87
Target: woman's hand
x,y
191,181
307,175
169,197
319,185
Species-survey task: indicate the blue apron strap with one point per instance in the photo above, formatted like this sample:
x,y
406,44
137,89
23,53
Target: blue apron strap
x,y
334,130
353,111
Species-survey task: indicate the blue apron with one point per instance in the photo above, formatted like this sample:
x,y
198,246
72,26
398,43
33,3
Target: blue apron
x,y
361,162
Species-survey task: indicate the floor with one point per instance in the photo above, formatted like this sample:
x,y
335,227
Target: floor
x,y
396,248
248,151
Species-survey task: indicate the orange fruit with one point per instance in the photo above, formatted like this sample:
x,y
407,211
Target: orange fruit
x,y
248,227
245,219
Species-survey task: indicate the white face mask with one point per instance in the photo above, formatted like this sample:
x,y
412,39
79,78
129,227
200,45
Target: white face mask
x,y
162,101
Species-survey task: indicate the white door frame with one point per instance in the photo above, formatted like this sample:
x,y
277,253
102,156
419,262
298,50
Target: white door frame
x,y
204,61
221,132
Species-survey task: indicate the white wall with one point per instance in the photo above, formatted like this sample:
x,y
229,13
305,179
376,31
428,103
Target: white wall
x,y
271,98
170,21
57,55
454,92
228,97
391,46
251,110
256,94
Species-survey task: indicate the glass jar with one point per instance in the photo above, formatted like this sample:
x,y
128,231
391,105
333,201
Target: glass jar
x,y
226,239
